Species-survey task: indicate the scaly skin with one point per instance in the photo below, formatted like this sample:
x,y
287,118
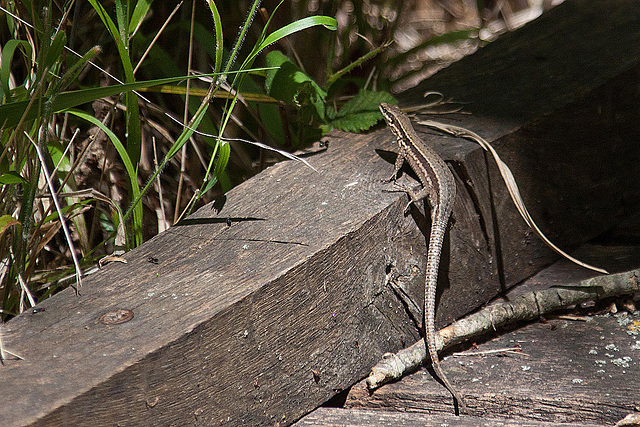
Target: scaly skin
x,y
438,186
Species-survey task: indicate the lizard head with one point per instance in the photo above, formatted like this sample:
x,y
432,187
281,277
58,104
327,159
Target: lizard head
x,y
395,118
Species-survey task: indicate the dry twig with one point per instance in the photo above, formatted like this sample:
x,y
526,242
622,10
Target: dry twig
x,y
527,307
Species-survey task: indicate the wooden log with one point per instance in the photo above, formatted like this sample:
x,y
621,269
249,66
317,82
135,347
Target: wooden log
x,y
259,322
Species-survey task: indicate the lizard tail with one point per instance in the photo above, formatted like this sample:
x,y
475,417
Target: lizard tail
x,y
436,238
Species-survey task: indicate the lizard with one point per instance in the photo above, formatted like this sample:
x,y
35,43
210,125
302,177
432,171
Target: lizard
x,y
438,186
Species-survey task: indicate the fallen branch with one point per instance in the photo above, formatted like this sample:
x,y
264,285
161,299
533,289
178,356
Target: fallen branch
x,y
526,307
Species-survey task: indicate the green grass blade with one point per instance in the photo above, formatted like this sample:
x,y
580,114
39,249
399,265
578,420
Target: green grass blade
x,y
294,27
74,71
52,60
7,54
242,35
122,17
126,160
6,221
12,112
12,177
121,38
138,15
106,19
134,132
217,24
182,139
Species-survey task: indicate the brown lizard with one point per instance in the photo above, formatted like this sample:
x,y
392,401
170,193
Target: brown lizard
x,y
438,186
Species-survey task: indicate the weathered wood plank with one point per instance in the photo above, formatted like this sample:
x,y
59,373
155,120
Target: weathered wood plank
x,y
571,372
233,321
568,372
340,417
261,321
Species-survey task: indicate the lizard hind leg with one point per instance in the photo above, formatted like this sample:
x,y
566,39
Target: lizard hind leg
x,y
414,196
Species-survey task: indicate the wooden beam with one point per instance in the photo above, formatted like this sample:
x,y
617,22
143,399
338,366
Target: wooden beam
x,y
260,321
255,323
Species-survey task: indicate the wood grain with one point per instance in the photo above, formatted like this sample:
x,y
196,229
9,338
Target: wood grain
x,y
231,320
340,417
568,372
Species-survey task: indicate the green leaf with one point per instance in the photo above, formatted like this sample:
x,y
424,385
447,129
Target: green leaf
x,y
55,51
138,15
357,122
7,55
53,216
294,27
223,159
213,180
290,85
217,24
361,112
57,153
105,18
7,221
366,100
122,17
120,35
12,177
74,71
